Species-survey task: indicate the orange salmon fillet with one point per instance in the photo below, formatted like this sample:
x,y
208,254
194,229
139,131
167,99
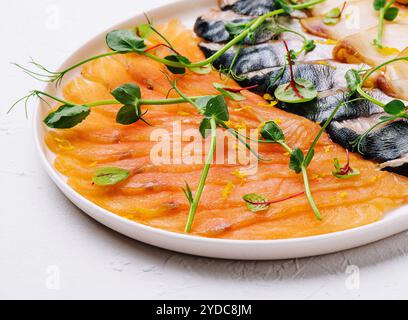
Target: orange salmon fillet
x,y
153,194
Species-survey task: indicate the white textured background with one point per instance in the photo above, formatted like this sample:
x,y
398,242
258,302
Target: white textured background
x,y
50,249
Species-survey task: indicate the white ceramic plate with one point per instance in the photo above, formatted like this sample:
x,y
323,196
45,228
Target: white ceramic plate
x,y
188,11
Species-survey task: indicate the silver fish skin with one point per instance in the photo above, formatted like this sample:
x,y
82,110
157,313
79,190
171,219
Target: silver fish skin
x,y
320,109
399,166
322,76
249,7
388,144
250,58
212,27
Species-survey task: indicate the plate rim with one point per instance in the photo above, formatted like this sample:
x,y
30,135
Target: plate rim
x,y
391,224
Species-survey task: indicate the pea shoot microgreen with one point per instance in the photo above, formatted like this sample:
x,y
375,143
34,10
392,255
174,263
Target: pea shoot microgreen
x,y
286,7
110,176
308,44
67,116
229,72
345,172
188,193
125,41
334,15
235,28
144,30
395,109
386,12
232,93
274,134
297,90
215,111
257,203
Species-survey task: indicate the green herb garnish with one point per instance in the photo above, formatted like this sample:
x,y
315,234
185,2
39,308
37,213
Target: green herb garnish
x,y
145,31
67,116
125,41
386,12
353,80
235,28
395,109
110,176
257,203
274,134
345,172
334,15
128,94
230,92
297,90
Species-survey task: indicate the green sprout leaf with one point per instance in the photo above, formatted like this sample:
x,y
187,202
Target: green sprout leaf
x,y
332,17
353,79
125,41
391,14
109,176
67,116
306,92
293,56
309,157
256,202
129,114
145,31
217,107
296,160
349,175
235,28
203,101
205,128
272,132
285,6
229,94
333,13
387,118
379,4
180,59
344,173
201,70
394,107
309,45
331,21
189,194
127,94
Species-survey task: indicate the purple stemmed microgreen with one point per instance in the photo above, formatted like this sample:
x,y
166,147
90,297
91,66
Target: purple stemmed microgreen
x,y
346,171
297,90
256,202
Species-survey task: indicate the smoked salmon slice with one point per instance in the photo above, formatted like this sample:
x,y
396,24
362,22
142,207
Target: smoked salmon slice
x,y
153,194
